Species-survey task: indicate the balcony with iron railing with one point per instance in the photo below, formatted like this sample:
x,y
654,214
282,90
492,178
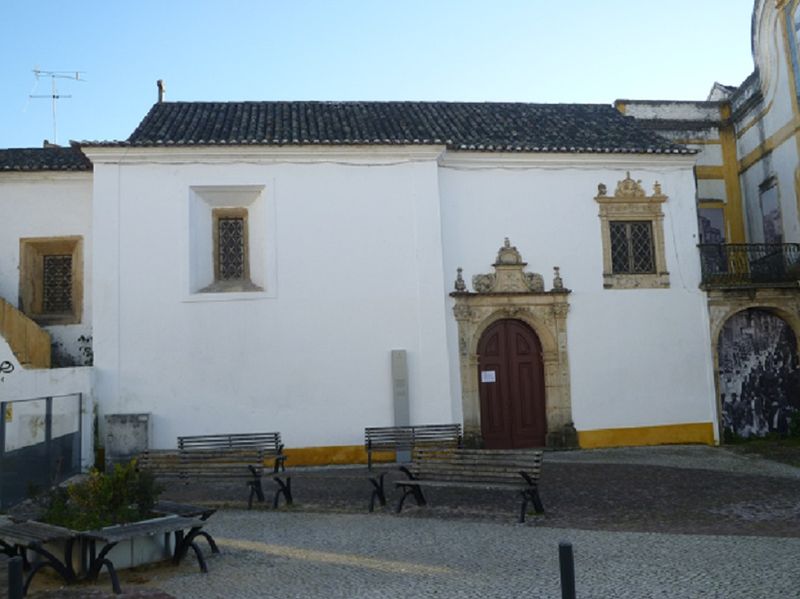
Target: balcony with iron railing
x,y
749,265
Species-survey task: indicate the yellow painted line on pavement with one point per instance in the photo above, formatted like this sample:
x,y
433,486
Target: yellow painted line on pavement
x,y
341,559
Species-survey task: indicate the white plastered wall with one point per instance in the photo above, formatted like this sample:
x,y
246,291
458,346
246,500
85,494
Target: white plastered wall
x,y
46,204
27,386
357,273
637,357
764,127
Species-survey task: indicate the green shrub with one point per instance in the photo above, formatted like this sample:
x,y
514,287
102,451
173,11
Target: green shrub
x,y
121,496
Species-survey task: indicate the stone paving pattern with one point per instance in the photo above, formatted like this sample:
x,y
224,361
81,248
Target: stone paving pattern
x,y
653,522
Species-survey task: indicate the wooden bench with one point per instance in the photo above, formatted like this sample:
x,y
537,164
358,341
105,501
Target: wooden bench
x,y
16,538
164,507
225,456
406,438
229,456
477,469
111,536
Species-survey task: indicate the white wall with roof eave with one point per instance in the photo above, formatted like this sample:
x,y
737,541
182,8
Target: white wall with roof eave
x,y
358,273
637,357
672,110
46,204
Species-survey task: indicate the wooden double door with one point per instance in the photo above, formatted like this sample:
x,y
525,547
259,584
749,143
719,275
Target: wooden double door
x,y
511,382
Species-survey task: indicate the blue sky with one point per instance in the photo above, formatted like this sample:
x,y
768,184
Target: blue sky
x,y
488,50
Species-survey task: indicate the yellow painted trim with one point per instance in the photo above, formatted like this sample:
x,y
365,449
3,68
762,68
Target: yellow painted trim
x,y
336,454
797,186
711,204
734,209
709,172
675,434
756,119
769,145
621,106
793,83
29,343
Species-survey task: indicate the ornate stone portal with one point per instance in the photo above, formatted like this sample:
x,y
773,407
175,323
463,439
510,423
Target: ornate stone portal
x,y
510,292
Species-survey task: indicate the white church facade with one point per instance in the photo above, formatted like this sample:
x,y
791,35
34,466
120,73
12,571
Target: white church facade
x,y
529,271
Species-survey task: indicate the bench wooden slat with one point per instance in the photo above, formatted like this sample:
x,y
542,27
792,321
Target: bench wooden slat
x,y
270,442
30,531
399,438
460,484
474,469
124,532
228,456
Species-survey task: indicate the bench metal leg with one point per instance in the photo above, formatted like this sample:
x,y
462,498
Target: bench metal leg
x,y
200,559
184,542
418,497
63,569
211,542
537,501
96,564
257,491
378,492
279,465
531,495
285,489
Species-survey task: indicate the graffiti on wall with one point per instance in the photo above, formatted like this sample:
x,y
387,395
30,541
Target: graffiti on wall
x,y
758,375
6,367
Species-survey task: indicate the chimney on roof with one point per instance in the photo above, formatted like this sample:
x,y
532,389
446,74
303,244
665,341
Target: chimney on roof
x,y
161,89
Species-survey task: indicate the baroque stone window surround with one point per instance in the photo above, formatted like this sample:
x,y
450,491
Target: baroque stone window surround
x,y
32,251
512,293
628,204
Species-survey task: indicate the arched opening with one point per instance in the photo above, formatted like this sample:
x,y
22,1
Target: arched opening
x,y
759,379
511,386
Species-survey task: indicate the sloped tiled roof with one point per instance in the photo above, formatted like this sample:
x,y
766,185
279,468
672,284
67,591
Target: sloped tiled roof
x,y
490,127
44,159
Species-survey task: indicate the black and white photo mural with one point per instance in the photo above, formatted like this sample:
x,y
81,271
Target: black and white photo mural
x,y
758,375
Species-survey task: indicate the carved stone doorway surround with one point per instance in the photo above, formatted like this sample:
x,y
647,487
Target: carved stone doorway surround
x,y
510,292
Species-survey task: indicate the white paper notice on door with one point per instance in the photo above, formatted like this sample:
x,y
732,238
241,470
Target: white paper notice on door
x,y
488,376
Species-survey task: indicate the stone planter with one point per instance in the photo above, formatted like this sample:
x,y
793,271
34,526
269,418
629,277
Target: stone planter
x,y
137,551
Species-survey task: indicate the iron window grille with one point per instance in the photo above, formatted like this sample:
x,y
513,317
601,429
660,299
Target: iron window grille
x,y
57,284
632,250
231,248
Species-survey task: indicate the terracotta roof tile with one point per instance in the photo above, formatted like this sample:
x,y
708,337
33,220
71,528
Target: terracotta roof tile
x,y
488,127
44,159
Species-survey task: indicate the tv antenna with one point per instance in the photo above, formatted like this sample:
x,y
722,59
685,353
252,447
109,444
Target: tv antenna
x,y
54,95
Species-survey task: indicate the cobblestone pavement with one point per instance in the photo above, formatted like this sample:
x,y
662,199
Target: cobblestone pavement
x,y
302,555
654,522
692,490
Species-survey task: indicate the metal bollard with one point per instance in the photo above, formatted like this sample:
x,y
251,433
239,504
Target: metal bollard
x,y
15,578
566,562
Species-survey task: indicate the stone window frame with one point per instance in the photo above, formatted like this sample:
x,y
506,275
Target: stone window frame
x,y
208,205
32,251
628,204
